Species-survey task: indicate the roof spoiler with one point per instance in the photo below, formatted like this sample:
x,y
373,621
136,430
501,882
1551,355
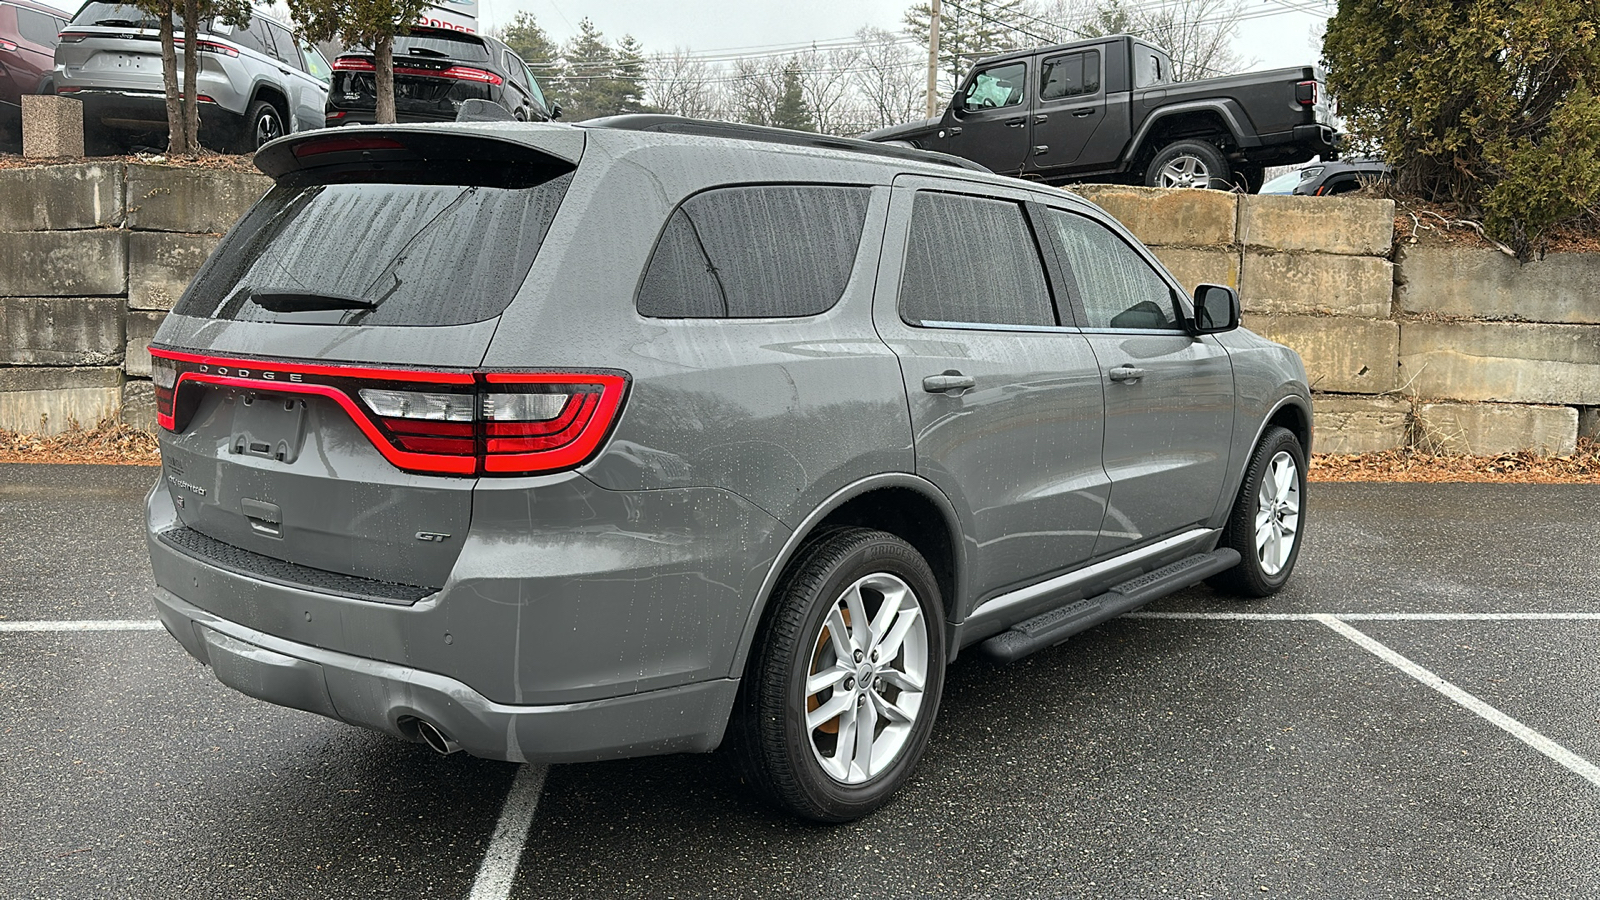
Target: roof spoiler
x,y
477,142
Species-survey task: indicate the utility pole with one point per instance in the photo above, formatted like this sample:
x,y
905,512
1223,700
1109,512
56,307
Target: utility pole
x,y
933,58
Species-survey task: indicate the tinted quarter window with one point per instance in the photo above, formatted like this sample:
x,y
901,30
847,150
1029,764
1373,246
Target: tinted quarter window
x,y
37,28
1148,67
1118,288
996,87
971,260
755,252
1070,76
376,254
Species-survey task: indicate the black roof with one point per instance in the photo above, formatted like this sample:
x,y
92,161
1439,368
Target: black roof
x,y
764,134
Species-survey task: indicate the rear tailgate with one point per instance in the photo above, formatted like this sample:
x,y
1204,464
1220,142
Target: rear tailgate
x,y
316,385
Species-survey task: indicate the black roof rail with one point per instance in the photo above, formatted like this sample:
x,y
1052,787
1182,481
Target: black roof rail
x,y
765,134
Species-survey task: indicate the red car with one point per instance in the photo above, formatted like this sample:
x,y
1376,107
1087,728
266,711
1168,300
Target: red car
x,y
28,38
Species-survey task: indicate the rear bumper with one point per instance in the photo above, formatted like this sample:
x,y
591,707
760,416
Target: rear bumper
x,y
134,110
390,698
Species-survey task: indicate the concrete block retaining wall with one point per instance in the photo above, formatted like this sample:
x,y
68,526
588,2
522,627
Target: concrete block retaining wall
x,y
1456,349
91,258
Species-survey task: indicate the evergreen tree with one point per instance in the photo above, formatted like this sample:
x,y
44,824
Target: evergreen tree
x,y
628,87
543,55
969,32
791,111
588,75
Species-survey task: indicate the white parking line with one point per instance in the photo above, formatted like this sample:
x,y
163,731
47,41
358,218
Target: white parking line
x,y
1577,764
499,867
83,625
1372,617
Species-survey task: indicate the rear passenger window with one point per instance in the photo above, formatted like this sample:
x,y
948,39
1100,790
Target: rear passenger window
x,y
1118,288
37,27
1070,76
971,260
755,252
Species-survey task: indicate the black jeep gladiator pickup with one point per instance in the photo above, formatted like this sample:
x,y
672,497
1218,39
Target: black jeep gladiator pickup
x,y
1107,109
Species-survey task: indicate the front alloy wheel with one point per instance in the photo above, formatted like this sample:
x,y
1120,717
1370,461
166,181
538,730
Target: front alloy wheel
x,y
1267,519
844,681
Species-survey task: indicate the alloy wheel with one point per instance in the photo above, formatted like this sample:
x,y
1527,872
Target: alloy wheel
x,y
1277,513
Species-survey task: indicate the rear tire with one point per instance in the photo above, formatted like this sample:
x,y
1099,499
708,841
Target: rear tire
x,y
1268,518
844,682
1188,164
262,123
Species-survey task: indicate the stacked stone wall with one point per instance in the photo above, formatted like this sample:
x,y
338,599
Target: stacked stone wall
x,y
92,256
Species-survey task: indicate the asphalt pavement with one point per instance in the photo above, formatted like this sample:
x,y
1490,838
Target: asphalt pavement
x,y
1415,716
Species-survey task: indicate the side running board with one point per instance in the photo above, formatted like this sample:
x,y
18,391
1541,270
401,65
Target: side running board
x,y
1053,627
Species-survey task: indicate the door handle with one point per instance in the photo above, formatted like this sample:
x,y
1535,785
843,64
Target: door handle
x,y
950,382
1040,118
954,130
1126,372
1080,113
1016,123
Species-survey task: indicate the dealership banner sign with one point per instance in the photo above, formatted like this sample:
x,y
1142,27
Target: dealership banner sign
x,y
460,15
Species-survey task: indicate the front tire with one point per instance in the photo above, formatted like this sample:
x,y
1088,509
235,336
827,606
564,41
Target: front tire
x,y
1268,518
841,693
1188,164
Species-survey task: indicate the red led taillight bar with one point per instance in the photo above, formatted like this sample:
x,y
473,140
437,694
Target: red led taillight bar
x,y
450,422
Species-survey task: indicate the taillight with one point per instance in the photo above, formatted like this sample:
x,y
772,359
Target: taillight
x,y
440,422
1305,93
354,64
211,47
539,421
71,37
467,73
7,45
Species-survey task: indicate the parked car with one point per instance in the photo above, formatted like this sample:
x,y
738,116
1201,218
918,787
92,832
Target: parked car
x,y
1107,109
1342,177
634,437
435,71
256,82
1281,184
27,46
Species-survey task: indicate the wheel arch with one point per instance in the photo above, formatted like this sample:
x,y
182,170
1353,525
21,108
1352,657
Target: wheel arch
x,y
902,504
266,90
1197,120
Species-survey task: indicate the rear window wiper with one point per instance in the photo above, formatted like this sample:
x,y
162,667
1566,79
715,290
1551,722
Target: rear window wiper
x,y
303,301
426,51
123,23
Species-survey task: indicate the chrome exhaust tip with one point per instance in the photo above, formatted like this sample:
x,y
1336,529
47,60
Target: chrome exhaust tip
x,y
436,739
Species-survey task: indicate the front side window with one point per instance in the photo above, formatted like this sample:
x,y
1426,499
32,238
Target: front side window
x,y
759,251
1072,75
972,260
1118,288
997,87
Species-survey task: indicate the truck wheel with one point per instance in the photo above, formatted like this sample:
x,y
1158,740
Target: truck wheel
x,y
844,682
1188,164
1268,518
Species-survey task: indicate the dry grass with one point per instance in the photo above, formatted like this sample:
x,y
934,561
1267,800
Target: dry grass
x,y
206,160
110,442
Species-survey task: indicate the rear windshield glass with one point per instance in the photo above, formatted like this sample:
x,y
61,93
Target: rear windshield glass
x,y
115,15
465,48
376,254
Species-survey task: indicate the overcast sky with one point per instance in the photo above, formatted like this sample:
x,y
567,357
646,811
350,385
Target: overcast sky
x,y
1278,32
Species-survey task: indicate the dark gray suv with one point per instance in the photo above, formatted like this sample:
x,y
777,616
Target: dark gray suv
x,y
570,443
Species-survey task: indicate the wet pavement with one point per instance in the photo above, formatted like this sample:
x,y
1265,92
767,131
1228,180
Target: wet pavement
x,y
1205,748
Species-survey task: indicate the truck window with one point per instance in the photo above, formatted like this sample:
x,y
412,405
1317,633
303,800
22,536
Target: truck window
x,y
997,87
1070,75
1149,68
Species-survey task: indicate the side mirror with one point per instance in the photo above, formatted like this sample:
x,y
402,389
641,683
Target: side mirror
x,y
1216,309
555,111
958,103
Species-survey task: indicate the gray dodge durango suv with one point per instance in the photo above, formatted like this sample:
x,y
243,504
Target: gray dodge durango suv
x,y
562,443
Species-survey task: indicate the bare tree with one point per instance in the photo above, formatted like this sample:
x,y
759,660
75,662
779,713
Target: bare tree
x,y
888,79
681,85
1197,33
755,89
825,84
